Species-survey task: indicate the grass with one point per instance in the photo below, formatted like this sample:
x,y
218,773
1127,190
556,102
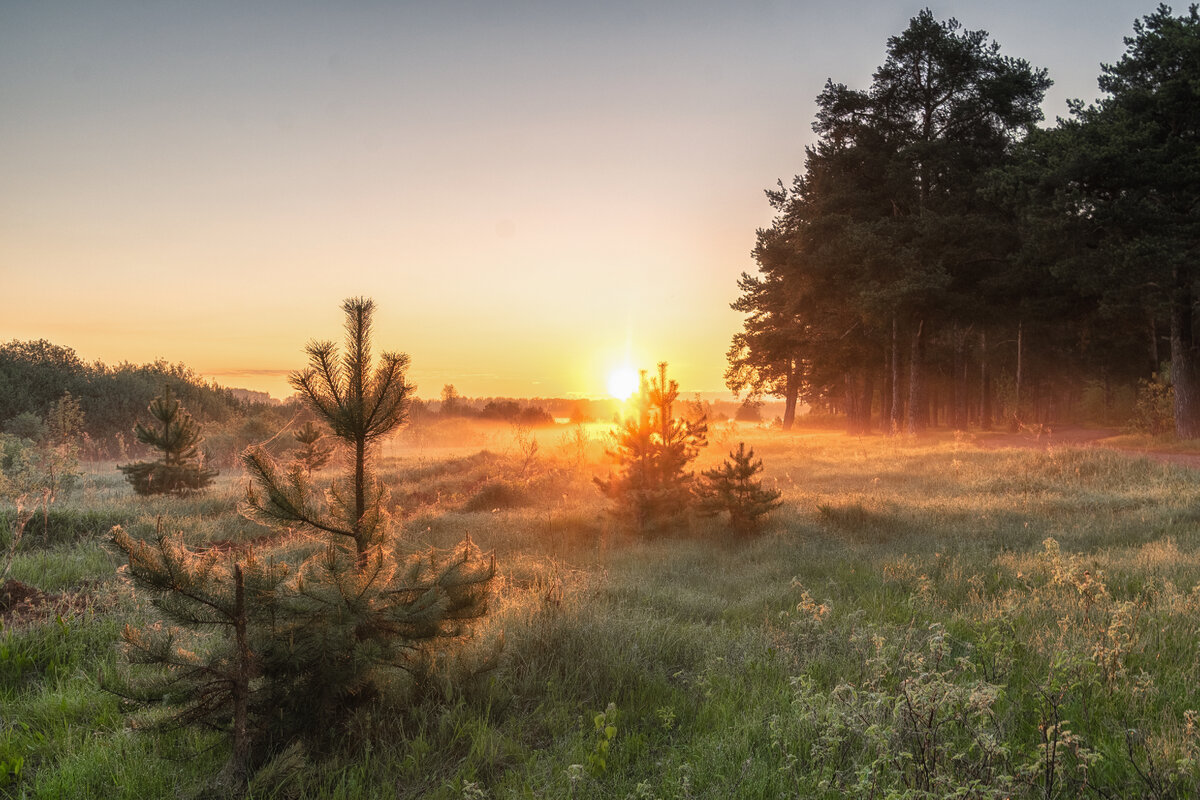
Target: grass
x,y
919,618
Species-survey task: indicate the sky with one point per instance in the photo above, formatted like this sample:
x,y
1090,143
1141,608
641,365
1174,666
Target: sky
x,y
535,193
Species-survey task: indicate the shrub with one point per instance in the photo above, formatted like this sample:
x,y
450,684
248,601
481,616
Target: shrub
x,y
733,489
313,450
181,470
497,494
653,450
1154,411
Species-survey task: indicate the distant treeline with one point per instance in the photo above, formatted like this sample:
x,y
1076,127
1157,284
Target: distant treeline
x,y
549,410
36,374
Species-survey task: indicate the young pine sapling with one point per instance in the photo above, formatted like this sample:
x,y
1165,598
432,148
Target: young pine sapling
x,y
181,469
653,450
733,488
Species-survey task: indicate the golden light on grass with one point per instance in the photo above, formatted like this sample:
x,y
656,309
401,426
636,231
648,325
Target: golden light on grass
x,y
623,382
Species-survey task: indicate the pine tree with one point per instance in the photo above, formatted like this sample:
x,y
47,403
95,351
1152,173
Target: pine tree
x,y
653,450
732,488
181,470
274,655
359,608
206,664
313,451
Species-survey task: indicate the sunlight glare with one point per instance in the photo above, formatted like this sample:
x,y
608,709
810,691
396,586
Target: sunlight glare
x,y
623,382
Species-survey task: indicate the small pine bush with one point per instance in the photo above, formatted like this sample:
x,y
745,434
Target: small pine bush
x,y
207,663
653,450
732,488
181,470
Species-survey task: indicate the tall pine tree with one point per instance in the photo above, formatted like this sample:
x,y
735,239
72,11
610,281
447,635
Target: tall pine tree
x,y
1112,192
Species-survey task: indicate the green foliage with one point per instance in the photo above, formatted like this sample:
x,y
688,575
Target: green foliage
x,y
1154,410
34,472
35,375
47,461
312,451
360,407
732,488
212,681
359,612
26,425
272,655
604,724
886,244
652,450
1107,200
181,470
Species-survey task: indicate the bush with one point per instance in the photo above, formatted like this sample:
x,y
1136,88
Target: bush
x,y
495,495
181,470
653,450
290,655
732,488
1154,411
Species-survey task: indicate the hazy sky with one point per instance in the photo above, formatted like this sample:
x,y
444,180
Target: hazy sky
x,y
532,192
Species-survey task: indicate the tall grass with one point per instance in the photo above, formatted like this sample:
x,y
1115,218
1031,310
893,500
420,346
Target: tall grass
x,y
919,619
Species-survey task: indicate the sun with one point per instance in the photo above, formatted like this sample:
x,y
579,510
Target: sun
x,y
623,382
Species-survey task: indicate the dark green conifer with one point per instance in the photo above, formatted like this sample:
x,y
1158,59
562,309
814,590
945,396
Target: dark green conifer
x,y
732,488
361,606
653,449
181,469
277,656
206,663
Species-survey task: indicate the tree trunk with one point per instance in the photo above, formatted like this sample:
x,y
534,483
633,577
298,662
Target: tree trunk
x,y
1015,423
885,393
1185,360
917,411
866,398
791,392
851,402
360,501
237,769
985,386
1155,362
897,402
860,391
958,381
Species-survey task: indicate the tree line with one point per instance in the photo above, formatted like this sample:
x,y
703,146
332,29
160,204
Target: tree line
x,y
942,259
36,375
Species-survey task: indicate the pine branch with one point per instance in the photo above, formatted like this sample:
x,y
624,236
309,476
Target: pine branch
x,y
284,504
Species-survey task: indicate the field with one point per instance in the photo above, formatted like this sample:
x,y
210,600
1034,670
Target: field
x,y
922,618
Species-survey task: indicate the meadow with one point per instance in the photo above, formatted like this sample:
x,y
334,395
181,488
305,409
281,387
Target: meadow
x,y
922,618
